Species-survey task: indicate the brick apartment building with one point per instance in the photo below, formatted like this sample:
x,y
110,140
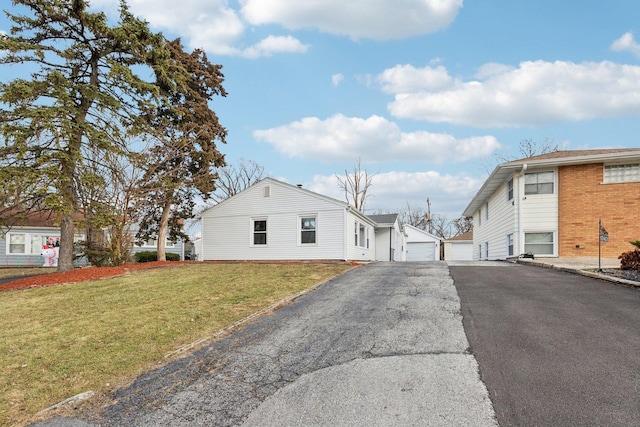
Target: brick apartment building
x,y
551,205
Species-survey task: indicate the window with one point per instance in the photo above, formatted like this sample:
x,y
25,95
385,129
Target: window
x,y
260,232
538,183
308,230
480,217
622,173
486,211
32,243
153,243
362,239
17,244
539,243
356,232
479,251
267,191
486,249
510,244
510,189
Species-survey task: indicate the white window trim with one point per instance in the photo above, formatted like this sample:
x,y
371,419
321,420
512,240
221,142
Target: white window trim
x,y
300,217
251,232
555,241
553,183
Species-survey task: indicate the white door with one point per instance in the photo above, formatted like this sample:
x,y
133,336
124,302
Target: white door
x,y
421,251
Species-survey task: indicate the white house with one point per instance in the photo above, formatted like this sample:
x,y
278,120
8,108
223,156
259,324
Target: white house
x,y
459,248
421,245
391,240
273,220
551,205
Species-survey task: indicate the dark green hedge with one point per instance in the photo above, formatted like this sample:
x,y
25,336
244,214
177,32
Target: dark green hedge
x,y
149,256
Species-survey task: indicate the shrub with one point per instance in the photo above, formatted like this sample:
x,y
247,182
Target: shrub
x,y
631,260
149,256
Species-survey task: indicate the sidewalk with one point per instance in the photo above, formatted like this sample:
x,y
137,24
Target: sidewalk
x,y
586,266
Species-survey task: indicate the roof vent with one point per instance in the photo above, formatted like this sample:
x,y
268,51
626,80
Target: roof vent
x,y
299,185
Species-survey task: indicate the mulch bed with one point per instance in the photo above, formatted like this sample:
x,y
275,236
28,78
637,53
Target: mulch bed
x,y
80,275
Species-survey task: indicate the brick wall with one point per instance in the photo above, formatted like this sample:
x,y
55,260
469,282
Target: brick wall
x,y
583,199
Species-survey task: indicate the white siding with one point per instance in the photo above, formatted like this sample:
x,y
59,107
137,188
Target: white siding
x,y
539,214
227,228
383,244
501,221
360,252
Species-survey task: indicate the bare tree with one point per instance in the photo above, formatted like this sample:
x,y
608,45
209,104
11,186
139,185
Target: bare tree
x,y
529,148
233,179
462,225
414,216
356,186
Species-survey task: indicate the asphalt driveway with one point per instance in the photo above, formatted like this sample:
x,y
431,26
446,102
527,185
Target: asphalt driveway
x,y
554,348
381,345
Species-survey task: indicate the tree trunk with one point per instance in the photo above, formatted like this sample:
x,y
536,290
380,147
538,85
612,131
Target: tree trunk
x,y
67,231
162,232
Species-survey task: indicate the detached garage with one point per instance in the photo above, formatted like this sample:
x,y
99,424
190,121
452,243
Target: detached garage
x,y
421,245
459,248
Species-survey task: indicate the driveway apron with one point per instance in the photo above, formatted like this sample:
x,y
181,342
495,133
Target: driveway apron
x,y
380,345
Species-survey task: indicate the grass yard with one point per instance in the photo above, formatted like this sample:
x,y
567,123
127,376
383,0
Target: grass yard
x,y
56,342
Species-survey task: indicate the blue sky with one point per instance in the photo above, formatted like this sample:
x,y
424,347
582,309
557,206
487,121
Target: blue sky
x,y
426,93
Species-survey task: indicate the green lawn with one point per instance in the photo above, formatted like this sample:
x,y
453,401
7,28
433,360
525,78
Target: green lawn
x,y
56,342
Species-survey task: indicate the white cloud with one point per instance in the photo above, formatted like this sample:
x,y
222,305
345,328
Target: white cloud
x,y
373,139
336,79
274,44
626,43
211,25
407,78
537,92
391,191
371,19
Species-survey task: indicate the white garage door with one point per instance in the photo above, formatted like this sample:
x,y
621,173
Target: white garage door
x,y
462,251
421,251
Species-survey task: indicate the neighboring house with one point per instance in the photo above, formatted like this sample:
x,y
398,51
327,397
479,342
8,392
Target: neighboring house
x,y
22,241
421,245
550,205
152,245
391,240
459,248
273,220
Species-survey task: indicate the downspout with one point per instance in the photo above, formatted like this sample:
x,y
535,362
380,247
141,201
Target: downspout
x,y
519,198
390,243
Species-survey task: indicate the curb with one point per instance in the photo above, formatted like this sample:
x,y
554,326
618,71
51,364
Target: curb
x,y
587,273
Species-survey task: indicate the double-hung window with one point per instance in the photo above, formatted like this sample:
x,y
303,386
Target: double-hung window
x,y
510,250
538,183
259,232
308,230
510,190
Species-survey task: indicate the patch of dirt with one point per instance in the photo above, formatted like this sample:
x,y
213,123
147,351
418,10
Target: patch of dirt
x,y
80,275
